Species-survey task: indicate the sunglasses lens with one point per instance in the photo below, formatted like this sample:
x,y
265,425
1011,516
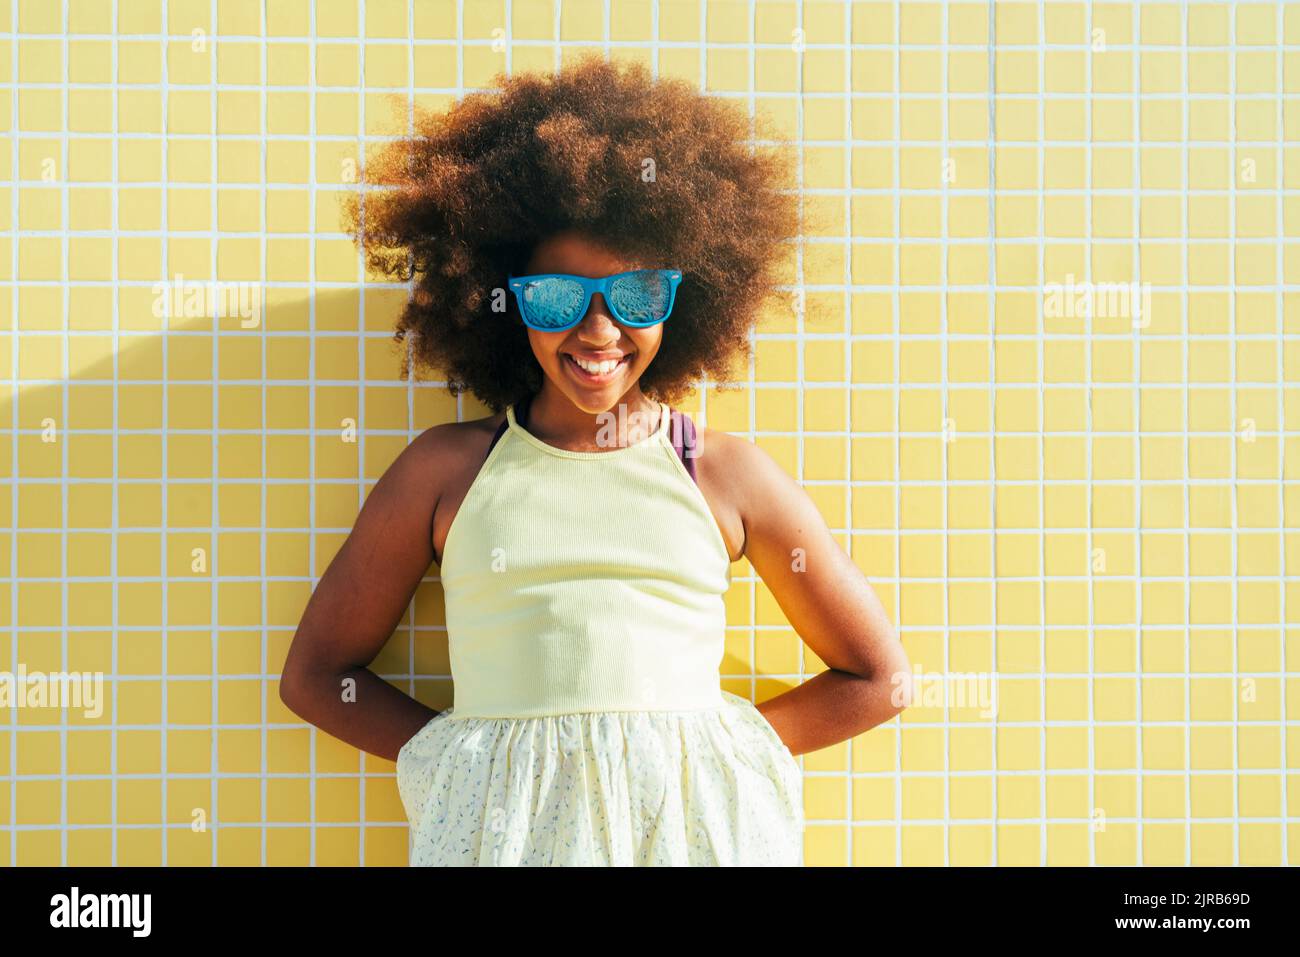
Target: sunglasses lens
x,y
551,303
642,297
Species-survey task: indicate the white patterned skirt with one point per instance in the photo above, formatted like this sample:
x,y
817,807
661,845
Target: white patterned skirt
x,y
707,787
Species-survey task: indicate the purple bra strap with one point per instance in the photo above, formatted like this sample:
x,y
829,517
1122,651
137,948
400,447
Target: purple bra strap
x,y
680,428
682,431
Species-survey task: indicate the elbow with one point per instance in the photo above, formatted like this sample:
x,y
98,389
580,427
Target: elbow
x,y
896,675
885,676
289,689
295,686
900,687
305,680
295,675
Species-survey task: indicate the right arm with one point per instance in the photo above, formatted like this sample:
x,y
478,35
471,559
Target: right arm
x,y
357,605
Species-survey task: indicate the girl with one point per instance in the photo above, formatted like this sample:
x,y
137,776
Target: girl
x,y
584,247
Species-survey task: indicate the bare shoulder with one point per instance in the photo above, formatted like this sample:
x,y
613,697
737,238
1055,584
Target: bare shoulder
x,y
448,438
450,446
730,460
719,446
749,486
724,469
435,457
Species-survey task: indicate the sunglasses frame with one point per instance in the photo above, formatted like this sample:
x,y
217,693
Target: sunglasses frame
x,y
590,286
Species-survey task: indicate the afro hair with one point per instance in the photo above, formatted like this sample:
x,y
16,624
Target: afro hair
x,y
653,169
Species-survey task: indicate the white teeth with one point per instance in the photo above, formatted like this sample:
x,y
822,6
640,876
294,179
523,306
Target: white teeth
x,y
597,368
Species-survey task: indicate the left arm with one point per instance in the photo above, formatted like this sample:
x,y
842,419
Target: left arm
x,y
829,603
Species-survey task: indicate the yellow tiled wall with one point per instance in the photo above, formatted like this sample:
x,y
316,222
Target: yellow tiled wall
x,y
1093,511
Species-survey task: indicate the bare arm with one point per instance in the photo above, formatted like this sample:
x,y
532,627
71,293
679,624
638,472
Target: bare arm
x,y
356,606
828,601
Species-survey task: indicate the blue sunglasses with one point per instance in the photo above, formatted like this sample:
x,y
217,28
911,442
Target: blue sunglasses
x,y
553,302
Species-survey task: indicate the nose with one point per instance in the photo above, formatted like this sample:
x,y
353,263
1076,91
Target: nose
x,y
598,321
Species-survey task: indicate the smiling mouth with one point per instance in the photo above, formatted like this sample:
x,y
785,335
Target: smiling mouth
x,y
586,376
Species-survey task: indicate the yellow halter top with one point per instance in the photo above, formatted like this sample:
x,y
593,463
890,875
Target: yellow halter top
x,y
584,581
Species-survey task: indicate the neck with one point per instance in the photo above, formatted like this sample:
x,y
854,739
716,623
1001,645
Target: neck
x,y
553,418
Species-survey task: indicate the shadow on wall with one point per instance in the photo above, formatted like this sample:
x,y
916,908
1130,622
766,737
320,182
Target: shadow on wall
x,y
242,458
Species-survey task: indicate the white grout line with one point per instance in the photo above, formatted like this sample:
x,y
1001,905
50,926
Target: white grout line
x,y
846,337
1090,392
65,220
1040,268
992,146
1279,274
313,733
264,629
1135,258
117,452
360,394
1232,346
1185,322
164,469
